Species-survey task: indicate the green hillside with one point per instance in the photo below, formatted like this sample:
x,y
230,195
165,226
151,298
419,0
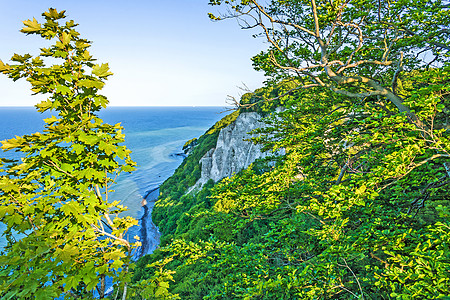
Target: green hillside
x,y
356,205
359,205
173,204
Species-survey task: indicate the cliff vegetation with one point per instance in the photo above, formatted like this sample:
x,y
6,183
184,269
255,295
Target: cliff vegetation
x,y
357,207
354,205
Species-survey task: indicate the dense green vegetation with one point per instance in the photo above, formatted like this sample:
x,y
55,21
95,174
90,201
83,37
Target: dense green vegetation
x,y
305,229
173,202
358,207
56,195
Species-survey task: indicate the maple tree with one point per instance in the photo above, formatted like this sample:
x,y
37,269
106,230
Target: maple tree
x,y
57,195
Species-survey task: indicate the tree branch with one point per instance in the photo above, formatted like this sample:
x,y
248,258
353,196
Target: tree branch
x,y
123,241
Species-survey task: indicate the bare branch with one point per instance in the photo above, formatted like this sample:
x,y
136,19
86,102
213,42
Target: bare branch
x,y
360,38
121,240
316,19
418,165
356,278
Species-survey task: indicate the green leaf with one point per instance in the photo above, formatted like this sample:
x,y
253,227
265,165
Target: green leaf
x,y
81,44
91,83
101,71
31,26
71,282
71,207
360,190
61,54
44,105
66,167
4,68
54,14
16,219
51,120
107,163
108,148
21,58
89,139
62,89
5,210
66,38
37,61
101,101
86,56
12,143
121,152
68,77
439,107
78,148
91,282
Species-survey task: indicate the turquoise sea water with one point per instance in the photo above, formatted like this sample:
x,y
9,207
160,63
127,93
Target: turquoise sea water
x,y
155,135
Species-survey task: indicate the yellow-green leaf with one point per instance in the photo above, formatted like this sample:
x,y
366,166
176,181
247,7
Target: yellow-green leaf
x,y
3,68
44,105
101,70
90,83
31,26
66,38
54,14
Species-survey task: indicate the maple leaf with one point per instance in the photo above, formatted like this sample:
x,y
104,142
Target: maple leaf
x,y
101,70
31,26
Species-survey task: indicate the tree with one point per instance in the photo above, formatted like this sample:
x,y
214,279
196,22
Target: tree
x,y
353,48
358,207
57,194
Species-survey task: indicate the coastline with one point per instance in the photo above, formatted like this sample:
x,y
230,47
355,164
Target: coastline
x,y
148,233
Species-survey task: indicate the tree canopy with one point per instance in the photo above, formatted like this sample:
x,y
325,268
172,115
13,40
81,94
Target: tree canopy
x,y
354,48
57,194
358,207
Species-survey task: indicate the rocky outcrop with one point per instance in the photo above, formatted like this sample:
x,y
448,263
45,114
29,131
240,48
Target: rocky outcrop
x,y
233,151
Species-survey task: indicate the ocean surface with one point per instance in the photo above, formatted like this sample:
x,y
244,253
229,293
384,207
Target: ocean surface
x,y
155,135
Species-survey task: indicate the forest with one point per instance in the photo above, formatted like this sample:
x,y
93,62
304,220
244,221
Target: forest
x,y
356,207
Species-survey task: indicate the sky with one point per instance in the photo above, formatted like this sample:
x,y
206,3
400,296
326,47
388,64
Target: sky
x,y
162,52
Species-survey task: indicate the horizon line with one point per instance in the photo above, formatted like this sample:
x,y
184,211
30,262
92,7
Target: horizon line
x,y
33,106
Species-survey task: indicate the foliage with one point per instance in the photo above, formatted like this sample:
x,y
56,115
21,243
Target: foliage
x,y
172,204
155,287
355,209
358,207
257,101
353,48
56,195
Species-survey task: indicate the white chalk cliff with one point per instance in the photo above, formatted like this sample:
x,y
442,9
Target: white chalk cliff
x,y
232,152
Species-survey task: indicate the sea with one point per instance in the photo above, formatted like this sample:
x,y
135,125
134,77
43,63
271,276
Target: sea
x,y
155,135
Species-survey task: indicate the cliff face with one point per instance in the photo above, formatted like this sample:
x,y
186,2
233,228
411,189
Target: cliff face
x,y
232,153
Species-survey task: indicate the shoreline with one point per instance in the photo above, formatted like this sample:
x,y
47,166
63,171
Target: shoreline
x,y
149,233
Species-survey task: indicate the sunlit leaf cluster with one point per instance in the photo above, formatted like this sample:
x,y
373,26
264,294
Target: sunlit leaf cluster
x,y
357,205
64,231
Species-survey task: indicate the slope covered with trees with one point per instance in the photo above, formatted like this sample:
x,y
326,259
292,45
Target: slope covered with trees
x,y
358,207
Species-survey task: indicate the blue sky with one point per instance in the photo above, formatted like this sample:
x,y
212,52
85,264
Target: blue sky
x,y
162,52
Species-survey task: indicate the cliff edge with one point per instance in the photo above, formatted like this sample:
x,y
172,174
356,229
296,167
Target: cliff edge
x,y
233,151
